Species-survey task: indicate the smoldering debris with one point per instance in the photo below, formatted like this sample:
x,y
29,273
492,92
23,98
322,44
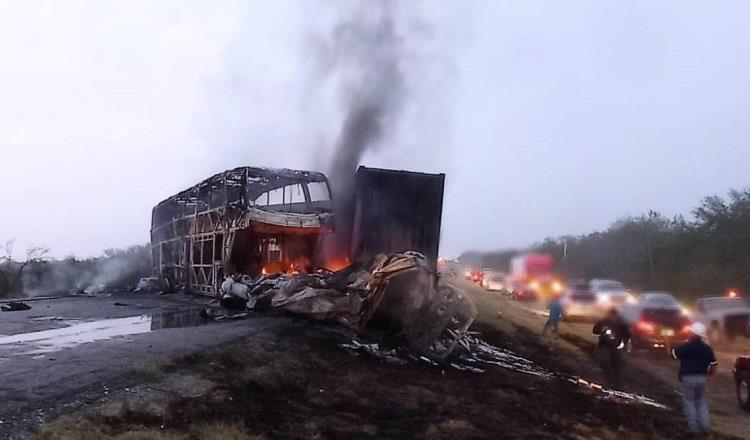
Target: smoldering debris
x,y
15,306
115,270
150,285
373,349
395,296
93,289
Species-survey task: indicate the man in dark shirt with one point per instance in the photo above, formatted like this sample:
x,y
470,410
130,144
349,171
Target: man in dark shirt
x,y
697,361
614,335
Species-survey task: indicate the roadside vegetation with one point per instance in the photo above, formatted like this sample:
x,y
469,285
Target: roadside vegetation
x,y
13,271
37,274
708,253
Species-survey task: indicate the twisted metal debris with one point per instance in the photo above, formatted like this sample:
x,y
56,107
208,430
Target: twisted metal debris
x,y
395,295
477,356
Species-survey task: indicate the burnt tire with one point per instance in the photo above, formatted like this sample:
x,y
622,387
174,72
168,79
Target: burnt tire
x,y
743,391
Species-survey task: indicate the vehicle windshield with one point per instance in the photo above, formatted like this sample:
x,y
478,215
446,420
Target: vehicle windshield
x,y
611,286
723,303
661,299
666,317
582,295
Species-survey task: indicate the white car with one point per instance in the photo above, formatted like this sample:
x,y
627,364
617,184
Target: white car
x,y
494,281
580,302
611,293
725,317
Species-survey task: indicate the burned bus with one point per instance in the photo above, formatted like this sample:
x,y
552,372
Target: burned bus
x,y
246,220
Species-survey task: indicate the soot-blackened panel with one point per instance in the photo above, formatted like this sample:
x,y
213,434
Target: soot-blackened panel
x,y
397,211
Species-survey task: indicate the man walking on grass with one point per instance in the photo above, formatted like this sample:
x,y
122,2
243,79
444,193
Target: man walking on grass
x,y
556,312
697,362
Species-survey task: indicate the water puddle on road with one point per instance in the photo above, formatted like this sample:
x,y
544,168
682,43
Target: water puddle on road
x,y
81,332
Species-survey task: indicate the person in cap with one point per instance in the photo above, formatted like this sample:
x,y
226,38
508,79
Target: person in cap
x,y
697,362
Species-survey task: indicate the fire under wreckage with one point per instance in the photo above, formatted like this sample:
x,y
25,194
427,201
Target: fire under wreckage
x,y
256,236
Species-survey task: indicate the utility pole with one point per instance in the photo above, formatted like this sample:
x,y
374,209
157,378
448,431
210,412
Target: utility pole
x,y
650,256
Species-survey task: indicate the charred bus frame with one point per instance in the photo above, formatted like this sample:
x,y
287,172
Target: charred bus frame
x,y
245,220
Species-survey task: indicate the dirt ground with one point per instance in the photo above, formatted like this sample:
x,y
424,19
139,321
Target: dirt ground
x,y
576,337
294,380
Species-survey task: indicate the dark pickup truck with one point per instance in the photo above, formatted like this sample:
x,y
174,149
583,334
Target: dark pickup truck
x,y
742,379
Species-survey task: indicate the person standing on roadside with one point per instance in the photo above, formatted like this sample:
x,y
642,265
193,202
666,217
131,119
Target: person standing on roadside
x,y
697,362
614,336
556,314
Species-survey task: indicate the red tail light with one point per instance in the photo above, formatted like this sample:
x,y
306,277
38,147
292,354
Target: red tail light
x,y
645,327
685,326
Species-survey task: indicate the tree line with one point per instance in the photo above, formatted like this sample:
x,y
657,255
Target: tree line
x,y
704,255
37,274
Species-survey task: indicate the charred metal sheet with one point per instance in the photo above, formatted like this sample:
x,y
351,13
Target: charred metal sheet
x,y
15,306
396,211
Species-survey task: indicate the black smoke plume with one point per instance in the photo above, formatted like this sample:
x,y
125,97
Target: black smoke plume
x,y
367,59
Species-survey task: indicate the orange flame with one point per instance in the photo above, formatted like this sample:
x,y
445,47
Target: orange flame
x,y
292,270
336,265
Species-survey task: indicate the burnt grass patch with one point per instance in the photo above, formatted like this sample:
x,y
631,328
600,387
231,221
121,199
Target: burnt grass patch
x,y
301,384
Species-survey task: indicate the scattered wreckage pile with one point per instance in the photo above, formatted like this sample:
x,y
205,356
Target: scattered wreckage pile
x,y
397,297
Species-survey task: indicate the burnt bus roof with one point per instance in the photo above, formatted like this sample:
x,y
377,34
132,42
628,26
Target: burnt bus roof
x,y
231,189
259,179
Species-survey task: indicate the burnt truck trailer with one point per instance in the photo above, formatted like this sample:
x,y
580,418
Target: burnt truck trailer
x,y
246,220
397,211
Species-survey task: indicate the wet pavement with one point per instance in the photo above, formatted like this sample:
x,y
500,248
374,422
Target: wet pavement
x,y
50,313
76,332
86,346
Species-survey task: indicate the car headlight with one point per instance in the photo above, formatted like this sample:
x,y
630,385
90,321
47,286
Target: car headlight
x,y
631,299
557,286
685,311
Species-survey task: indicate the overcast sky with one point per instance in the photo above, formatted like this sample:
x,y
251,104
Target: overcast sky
x,y
548,118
